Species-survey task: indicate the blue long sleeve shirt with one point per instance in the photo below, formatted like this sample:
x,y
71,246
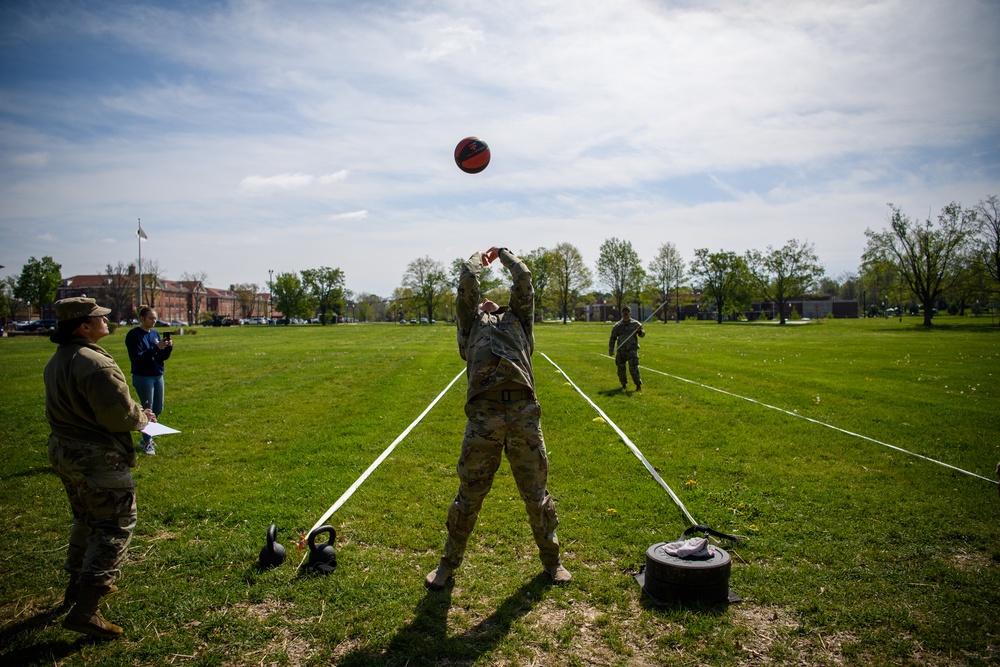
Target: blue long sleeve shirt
x,y
146,358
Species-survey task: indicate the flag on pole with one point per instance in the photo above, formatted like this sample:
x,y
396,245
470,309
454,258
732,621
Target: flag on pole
x,y
140,233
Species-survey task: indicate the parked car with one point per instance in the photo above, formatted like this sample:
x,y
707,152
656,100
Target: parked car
x,y
178,323
37,325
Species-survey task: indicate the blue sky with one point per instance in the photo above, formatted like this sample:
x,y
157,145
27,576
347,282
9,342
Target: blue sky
x,y
262,135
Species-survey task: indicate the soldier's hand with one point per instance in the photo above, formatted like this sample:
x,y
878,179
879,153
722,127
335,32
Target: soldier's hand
x,y
150,415
490,255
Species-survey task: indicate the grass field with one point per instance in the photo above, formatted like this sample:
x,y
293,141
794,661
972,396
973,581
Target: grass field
x,y
856,553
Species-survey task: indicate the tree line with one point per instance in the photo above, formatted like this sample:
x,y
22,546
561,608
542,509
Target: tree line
x,y
951,262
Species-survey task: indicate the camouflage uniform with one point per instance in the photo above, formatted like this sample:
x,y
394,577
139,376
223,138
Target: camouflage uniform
x,y
503,415
627,352
91,414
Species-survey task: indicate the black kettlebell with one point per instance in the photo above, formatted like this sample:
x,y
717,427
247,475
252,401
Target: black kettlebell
x,y
273,554
322,557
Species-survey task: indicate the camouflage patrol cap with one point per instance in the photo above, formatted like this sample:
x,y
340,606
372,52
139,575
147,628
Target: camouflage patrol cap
x,y
78,306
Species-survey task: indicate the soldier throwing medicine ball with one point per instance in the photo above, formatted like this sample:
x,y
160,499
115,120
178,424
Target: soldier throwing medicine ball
x,y
626,333
91,415
503,415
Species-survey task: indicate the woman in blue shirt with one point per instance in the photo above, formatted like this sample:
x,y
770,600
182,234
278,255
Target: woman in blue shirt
x,y
147,352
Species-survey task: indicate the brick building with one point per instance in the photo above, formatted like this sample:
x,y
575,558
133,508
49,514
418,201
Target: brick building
x,y
186,301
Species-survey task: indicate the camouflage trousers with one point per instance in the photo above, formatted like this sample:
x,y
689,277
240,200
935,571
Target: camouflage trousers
x,y
495,428
101,494
631,358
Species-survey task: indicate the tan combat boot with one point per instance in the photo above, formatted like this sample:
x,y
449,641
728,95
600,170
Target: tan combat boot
x,y
85,617
559,574
439,576
73,590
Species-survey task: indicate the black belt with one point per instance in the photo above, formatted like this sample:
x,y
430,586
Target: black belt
x,y
506,395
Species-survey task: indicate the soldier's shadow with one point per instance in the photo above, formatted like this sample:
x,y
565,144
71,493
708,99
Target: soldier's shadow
x,y
46,651
425,640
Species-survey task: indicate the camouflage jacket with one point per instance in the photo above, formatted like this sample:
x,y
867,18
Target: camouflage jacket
x,y
88,400
622,331
497,346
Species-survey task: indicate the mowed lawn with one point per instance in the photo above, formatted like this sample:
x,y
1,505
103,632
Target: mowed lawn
x,y
854,552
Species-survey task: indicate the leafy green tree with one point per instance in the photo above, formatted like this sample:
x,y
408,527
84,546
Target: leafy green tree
x,y
570,277
291,296
666,271
38,282
540,262
723,278
619,268
327,288
881,284
427,280
402,304
929,257
785,272
9,304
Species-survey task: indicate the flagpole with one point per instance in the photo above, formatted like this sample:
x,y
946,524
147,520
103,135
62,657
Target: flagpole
x,y
138,238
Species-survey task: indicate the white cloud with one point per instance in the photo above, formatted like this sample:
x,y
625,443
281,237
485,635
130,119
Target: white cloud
x,y
707,124
353,215
36,160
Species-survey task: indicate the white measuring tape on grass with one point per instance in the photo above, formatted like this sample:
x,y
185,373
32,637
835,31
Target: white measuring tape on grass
x,y
388,450
816,421
631,445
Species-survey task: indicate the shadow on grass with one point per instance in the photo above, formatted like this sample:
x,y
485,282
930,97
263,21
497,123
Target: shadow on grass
x,y
425,640
42,653
30,473
911,326
618,391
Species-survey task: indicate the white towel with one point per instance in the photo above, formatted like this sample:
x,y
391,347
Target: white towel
x,y
696,547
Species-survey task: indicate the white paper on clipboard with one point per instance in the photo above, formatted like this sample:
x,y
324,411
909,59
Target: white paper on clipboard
x,y
155,428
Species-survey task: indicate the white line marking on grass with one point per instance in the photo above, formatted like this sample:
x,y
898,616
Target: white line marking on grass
x,y
388,450
816,421
625,438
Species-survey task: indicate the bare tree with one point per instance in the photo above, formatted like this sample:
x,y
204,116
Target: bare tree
x,y
119,289
570,277
667,271
929,257
152,282
246,297
988,213
194,285
785,272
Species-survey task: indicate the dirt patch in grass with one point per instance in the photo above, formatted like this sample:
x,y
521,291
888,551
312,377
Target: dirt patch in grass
x,y
772,636
584,635
971,562
287,647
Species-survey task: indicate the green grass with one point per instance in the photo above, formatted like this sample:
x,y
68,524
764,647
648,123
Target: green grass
x,y
856,553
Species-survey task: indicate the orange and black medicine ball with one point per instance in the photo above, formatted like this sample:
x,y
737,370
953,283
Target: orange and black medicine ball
x,y
472,155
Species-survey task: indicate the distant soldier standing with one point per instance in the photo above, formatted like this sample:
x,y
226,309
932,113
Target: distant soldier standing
x,y
503,415
91,415
624,347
